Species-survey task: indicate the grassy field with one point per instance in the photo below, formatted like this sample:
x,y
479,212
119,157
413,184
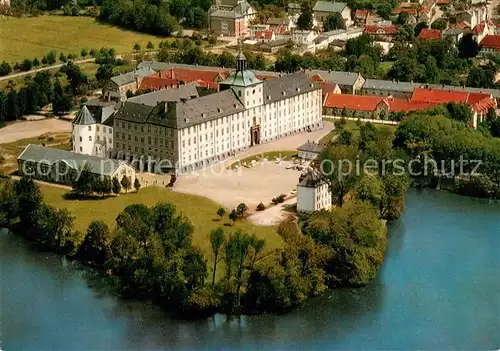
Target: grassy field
x,y
271,156
88,68
201,212
353,127
9,152
22,38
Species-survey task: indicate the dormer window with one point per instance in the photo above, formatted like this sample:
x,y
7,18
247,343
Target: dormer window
x,y
186,120
298,90
284,93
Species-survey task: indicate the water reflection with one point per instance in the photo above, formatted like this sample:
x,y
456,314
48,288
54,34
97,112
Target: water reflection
x,y
438,289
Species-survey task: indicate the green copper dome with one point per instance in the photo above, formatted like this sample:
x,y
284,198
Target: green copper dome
x,y
241,78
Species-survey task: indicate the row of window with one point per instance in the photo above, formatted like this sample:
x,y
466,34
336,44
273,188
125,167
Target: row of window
x,y
104,129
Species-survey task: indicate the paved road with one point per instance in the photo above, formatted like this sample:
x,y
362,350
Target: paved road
x,y
48,68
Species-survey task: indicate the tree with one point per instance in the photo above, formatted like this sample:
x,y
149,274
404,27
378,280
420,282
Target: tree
x,y
61,102
104,73
95,248
150,46
85,184
241,210
30,200
217,240
115,186
337,165
44,60
126,183
440,23
26,65
63,58
345,138
137,184
370,188
334,21
241,244
5,69
468,47
305,20
137,47
418,28
491,115
36,63
84,53
460,112
403,18
233,216
51,57
368,133
8,202
221,212
481,77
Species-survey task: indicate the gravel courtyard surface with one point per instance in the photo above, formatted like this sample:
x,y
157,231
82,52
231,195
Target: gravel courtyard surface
x,y
30,129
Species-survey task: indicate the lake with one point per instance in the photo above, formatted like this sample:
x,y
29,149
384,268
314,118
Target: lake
x,y
439,288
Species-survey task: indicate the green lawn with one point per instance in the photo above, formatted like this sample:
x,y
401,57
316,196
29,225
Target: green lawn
x,y
9,152
271,156
353,127
30,37
88,68
201,212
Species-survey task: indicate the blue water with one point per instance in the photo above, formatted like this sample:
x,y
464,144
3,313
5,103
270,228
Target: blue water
x,y
439,288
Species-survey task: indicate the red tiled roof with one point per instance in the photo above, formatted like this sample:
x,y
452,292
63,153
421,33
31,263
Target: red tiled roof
x,y
479,28
403,105
317,78
389,30
429,34
205,84
485,104
438,96
361,14
459,25
328,88
155,83
353,102
192,75
443,2
408,10
265,34
491,42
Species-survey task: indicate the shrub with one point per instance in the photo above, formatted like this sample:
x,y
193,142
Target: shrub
x,y
281,198
261,207
275,200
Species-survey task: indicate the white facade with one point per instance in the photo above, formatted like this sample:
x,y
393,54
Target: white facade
x,y
93,139
228,135
312,195
303,37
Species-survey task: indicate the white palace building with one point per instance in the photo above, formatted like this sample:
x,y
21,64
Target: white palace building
x,y
194,132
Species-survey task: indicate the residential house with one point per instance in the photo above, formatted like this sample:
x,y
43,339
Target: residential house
x,y
429,34
483,29
303,37
382,33
293,8
64,167
361,17
349,82
257,28
327,38
309,150
453,34
313,193
231,18
265,36
272,46
489,44
117,87
5,3
322,9
278,23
